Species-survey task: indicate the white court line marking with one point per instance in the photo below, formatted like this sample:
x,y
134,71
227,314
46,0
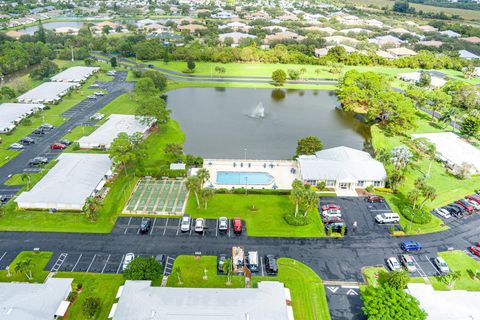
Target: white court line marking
x,y
165,227
108,258
153,225
88,269
80,257
121,262
261,266
128,225
3,255
216,229
178,227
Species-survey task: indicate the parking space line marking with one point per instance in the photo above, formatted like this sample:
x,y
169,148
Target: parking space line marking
x,y
165,227
80,257
88,269
261,266
128,225
434,267
121,262
228,221
216,229
153,225
3,255
420,271
108,258
178,227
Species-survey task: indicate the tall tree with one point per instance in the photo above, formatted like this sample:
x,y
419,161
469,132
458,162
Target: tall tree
x,y
90,208
310,201
297,194
207,194
279,77
193,185
308,145
127,150
143,268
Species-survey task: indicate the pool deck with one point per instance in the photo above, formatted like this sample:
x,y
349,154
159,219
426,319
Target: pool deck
x,y
282,171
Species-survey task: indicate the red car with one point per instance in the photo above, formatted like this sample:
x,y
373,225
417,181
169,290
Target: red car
x,y
474,198
331,206
377,199
237,225
465,204
475,250
58,146
332,220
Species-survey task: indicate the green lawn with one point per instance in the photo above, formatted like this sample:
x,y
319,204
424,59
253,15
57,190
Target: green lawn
x,y
266,221
39,261
372,275
124,104
192,273
447,186
309,301
103,286
459,261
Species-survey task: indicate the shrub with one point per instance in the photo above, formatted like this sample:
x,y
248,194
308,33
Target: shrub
x,y
79,286
369,188
387,190
72,296
90,306
419,216
296,221
75,146
253,191
321,185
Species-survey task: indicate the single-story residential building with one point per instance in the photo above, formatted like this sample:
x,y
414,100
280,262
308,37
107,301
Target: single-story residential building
x,y
385,54
235,36
321,52
431,43
453,149
327,30
471,39
34,301
75,177
451,34
446,305
12,113
139,300
107,132
191,27
467,55
414,77
427,28
386,40
286,35
341,40
47,92
402,52
75,74
342,168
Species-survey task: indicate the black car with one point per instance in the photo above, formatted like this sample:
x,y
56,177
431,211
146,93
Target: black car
x,y
46,127
336,227
455,211
271,264
39,131
146,225
221,260
37,161
27,140
459,207
65,142
5,198
151,66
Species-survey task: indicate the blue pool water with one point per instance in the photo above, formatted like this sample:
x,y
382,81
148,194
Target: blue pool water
x,y
243,178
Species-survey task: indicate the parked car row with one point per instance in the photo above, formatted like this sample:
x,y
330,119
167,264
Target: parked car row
x,y
408,263
200,224
252,262
475,250
461,207
42,130
331,215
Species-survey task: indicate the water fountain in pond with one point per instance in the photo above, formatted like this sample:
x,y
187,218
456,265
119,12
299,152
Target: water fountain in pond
x,y
258,112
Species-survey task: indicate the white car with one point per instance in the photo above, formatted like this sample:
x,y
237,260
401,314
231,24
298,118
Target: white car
x,y
16,146
393,264
332,211
128,258
441,265
185,224
99,93
199,224
223,224
474,204
442,213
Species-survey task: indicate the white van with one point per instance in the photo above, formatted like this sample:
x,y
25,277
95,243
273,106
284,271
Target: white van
x,y
389,217
252,259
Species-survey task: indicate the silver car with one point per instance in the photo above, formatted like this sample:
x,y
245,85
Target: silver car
x,y
16,146
185,224
223,224
393,264
199,225
441,265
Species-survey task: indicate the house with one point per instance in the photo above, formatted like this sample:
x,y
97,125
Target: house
x,y
191,27
321,52
355,30
139,300
75,74
224,15
107,132
402,52
235,25
385,54
341,40
414,77
286,35
14,34
427,28
451,34
47,92
326,30
154,28
275,28
12,113
144,22
431,43
386,40
261,15
35,301
471,39
400,31
373,23
110,24
342,168
73,179
235,36
467,55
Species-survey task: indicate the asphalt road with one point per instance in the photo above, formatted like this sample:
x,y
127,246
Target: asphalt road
x,y
77,115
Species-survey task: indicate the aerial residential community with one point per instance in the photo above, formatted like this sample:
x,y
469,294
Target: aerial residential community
x,y
236,159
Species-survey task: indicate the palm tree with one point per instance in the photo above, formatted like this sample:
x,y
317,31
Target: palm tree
x,y
310,201
296,195
25,266
178,272
90,208
227,269
207,194
429,193
193,185
204,175
26,178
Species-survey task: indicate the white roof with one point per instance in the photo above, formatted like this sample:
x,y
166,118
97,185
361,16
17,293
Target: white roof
x,y
68,184
32,301
75,74
177,166
10,112
415,77
446,305
47,92
140,300
341,164
235,35
108,131
453,148
467,54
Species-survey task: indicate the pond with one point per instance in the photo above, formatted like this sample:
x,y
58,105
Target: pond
x,y
52,25
261,123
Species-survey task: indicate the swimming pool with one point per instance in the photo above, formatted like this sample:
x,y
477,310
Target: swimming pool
x,y
243,178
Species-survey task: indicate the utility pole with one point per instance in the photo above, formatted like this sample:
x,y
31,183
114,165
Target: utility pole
x,y
71,50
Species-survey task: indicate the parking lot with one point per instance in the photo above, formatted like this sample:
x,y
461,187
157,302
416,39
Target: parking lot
x,y
170,227
357,209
